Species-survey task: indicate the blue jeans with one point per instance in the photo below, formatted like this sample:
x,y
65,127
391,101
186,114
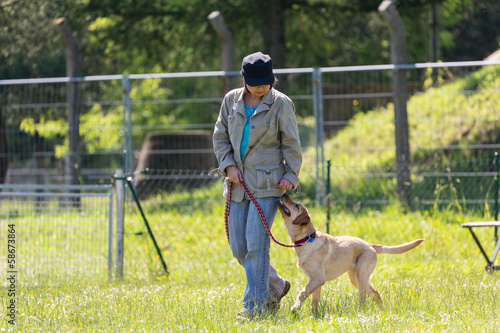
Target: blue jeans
x,y
250,245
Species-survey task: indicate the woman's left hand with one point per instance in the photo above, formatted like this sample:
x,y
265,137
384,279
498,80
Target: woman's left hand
x,y
285,184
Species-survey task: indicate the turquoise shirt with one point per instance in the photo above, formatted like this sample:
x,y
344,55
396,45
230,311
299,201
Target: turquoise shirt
x,y
246,130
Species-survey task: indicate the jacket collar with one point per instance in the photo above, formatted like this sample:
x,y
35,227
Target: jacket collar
x,y
264,105
267,100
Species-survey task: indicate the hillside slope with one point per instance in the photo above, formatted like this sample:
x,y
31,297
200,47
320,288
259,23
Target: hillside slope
x,y
451,127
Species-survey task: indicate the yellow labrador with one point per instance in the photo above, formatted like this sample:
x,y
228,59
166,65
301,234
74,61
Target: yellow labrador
x,y
323,257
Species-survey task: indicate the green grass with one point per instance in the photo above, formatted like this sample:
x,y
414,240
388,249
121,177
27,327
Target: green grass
x,y
440,286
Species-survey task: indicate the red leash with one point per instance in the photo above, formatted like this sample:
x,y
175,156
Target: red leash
x,y
261,213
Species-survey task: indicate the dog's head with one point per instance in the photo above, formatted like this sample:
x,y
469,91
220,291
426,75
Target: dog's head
x,y
294,213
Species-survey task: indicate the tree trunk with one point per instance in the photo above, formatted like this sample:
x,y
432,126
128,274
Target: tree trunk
x,y
398,57
72,71
274,36
227,48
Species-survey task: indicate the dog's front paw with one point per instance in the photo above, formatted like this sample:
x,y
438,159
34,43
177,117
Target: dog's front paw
x,y
296,307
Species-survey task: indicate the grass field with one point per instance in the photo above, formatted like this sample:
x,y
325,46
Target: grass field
x,y
441,286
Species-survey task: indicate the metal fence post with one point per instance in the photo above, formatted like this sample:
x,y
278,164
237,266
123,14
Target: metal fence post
x,y
150,232
327,198
318,134
120,215
497,168
110,235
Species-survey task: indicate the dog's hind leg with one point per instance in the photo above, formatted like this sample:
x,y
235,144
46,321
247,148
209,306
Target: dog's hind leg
x,y
364,269
371,290
352,277
375,294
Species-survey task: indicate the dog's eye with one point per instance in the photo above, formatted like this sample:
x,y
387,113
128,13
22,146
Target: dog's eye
x,y
297,206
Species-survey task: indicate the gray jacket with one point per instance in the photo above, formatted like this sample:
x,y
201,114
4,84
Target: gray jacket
x,y
274,149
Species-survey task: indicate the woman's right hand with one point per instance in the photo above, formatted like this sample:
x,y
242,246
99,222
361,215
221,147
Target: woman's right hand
x,y
234,174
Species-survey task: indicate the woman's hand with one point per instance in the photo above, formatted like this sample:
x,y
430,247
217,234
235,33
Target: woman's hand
x,y
234,174
285,184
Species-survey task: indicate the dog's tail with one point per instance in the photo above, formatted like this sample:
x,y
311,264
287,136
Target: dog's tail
x,y
398,248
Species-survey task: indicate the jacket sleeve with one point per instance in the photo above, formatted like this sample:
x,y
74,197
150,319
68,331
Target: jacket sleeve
x,y
222,145
290,143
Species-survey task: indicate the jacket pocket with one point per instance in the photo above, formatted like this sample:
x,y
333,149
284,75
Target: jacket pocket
x,y
230,124
267,176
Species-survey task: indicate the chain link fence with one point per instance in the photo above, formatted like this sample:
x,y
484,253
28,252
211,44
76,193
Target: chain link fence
x,y
56,233
165,121
158,129
454,132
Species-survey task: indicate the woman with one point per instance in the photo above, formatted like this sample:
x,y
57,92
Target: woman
x,y
256,140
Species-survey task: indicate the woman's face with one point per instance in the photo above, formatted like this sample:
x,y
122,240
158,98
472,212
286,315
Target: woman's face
x,y
258,91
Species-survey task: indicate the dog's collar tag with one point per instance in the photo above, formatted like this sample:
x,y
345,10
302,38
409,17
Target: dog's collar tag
x,y
304,240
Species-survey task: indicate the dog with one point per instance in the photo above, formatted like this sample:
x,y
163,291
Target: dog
x,y
323,257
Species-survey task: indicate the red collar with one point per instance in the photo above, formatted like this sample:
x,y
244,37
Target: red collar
x,y
304,240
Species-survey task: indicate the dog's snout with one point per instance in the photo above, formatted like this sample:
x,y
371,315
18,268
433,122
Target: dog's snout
x,y
282,208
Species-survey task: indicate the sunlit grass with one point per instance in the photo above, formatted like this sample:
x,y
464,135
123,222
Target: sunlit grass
x,y
439,286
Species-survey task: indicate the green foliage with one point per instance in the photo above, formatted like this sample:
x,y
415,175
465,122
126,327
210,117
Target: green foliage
x,y
175,36
31,45
48,129
104,135
458,18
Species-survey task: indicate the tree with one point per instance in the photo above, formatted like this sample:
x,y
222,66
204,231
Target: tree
x,y
30,45
472,29
137,36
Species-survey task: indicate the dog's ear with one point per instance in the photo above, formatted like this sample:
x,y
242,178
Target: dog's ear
x,y
302,219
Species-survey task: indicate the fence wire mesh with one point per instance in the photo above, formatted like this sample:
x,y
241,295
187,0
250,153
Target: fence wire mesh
x,y
34,126
165,121
185,211
61,233
462,183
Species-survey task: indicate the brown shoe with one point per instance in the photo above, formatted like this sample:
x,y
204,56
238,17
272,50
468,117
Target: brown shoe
x,y
274,306
245,316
